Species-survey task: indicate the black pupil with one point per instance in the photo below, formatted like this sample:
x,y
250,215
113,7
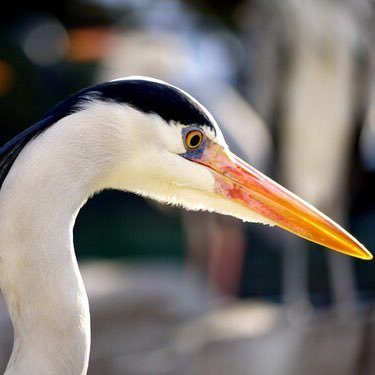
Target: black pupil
x,y
195,140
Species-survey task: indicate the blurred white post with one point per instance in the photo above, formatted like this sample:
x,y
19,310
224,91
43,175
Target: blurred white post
x,y
318,121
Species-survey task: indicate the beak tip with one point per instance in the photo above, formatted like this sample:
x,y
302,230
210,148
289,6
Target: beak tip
x,y
364,254
368,256
361,252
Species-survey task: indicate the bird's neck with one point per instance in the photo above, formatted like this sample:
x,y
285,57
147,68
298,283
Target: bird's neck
x,y
42,286
39,275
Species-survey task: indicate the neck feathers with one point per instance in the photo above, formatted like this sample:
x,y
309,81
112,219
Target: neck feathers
x,y
50,179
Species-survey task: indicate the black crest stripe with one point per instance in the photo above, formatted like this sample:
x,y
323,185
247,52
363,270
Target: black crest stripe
x,y
148,96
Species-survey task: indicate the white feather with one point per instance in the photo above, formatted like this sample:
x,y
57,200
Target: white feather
x,y
104,145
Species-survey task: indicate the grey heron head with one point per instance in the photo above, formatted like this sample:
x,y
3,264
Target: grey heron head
x,y
176,153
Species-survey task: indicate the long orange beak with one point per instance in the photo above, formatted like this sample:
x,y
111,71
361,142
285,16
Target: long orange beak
x,y
238,181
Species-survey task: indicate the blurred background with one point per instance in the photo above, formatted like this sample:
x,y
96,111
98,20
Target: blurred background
x,y
292,84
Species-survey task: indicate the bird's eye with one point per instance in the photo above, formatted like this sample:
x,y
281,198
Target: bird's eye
x,y
193,139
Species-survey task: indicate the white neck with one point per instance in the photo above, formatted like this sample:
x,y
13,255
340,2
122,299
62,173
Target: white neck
x,y
43,289
104,145
39,276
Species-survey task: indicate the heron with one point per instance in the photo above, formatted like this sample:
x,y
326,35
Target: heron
x,y
135,134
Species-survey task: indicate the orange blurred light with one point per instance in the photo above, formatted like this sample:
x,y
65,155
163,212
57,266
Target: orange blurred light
x,y
7,74
88,44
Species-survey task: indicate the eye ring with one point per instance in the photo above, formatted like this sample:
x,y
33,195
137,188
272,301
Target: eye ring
x,y
193,139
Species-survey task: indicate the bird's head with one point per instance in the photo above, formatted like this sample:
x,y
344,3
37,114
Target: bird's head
x,y
174,152
179,156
